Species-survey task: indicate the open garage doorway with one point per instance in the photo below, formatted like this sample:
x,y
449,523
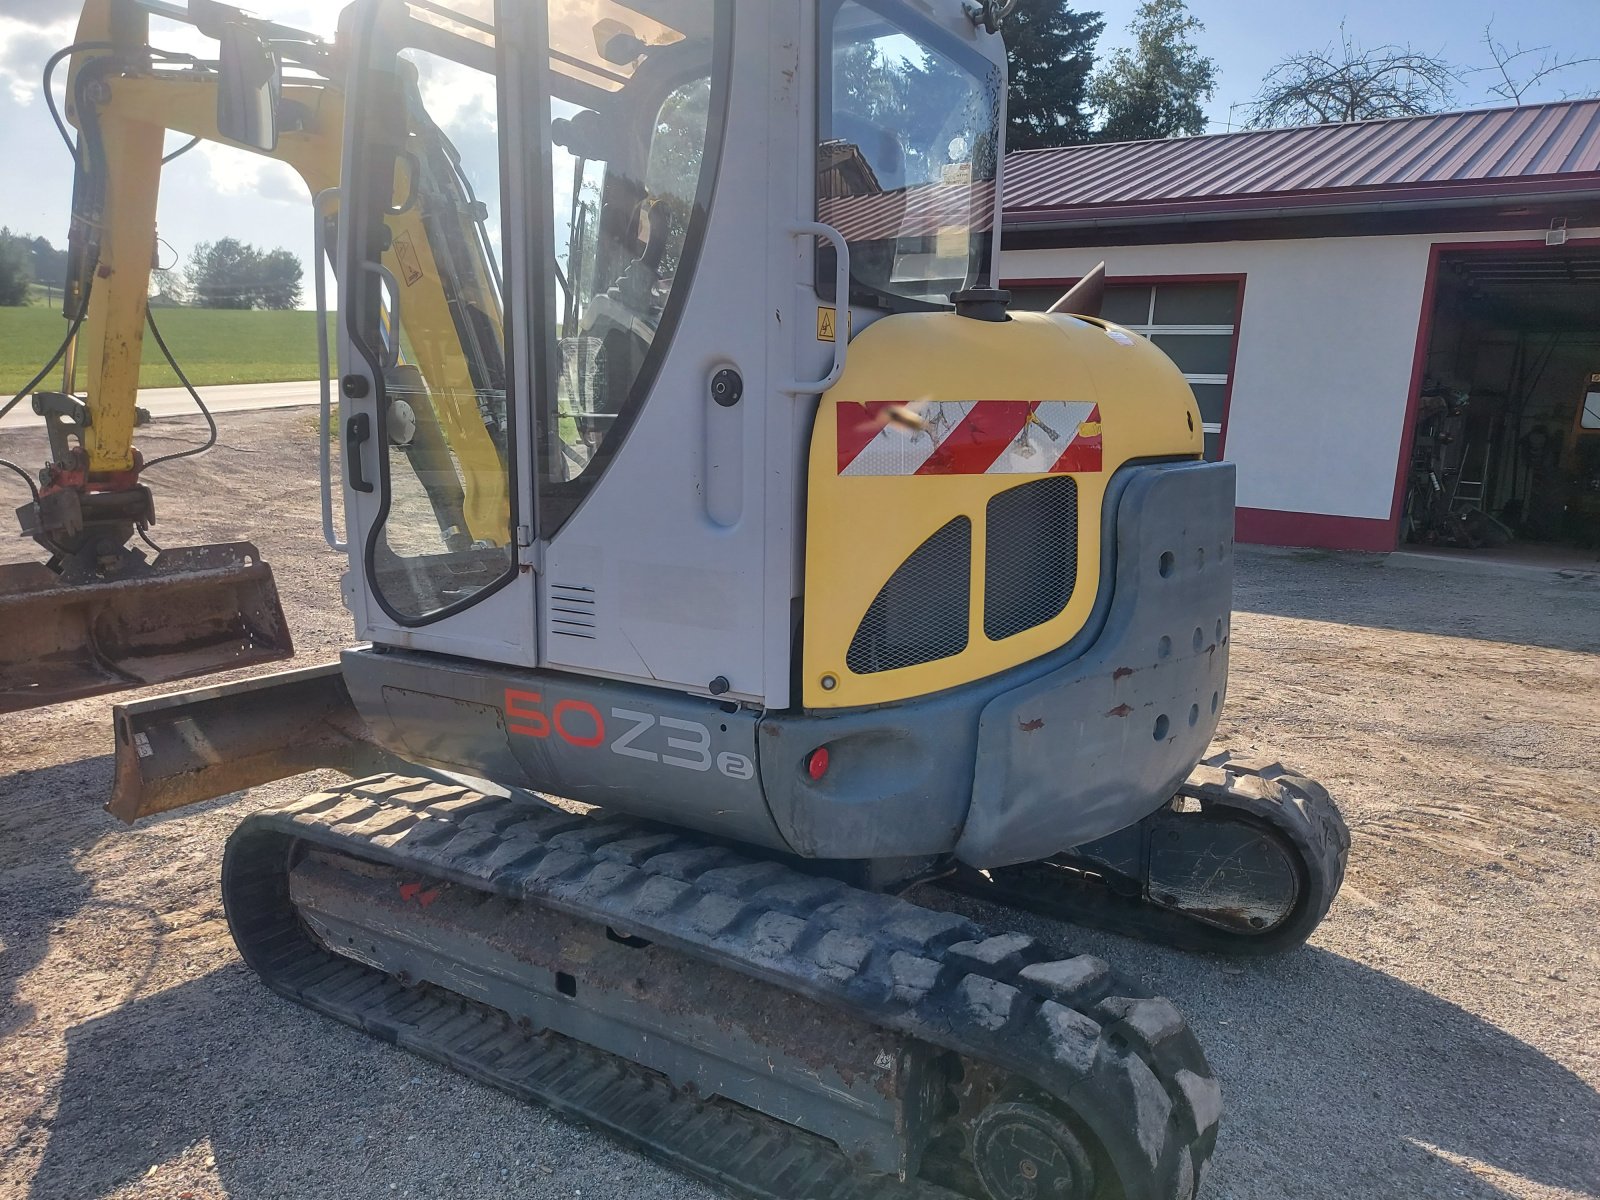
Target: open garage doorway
x,y
1505,448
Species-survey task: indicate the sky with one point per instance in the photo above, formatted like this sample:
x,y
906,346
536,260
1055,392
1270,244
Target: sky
x,y
217,192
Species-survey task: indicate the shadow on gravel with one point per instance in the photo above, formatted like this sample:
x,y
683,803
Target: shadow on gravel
x,y
47,818
292,1106
1338,1079
143,1084
1342,1081
1359,590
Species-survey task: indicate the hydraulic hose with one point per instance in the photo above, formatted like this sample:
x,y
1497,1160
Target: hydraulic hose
x,y
177,370
92,130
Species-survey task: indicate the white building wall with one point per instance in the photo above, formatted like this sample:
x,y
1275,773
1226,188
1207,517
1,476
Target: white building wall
x,y
1327,348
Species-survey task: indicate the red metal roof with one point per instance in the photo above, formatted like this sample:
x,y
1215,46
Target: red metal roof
x,y
1535,149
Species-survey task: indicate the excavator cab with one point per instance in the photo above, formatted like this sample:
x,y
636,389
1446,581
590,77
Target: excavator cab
x,y
695,470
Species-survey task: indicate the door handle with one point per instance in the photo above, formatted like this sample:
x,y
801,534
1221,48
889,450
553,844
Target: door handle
x,y
320,206
357,433
841,301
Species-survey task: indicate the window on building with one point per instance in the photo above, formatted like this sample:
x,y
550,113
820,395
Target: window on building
x,y
1196,324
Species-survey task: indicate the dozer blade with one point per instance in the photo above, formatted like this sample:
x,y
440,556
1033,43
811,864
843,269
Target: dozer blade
x,y
195,612
191,747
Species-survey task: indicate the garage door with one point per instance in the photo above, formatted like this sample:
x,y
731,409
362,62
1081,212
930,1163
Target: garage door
x,y
1196,324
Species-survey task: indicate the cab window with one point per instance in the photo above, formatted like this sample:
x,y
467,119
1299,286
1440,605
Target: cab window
x,y
632,131
907,157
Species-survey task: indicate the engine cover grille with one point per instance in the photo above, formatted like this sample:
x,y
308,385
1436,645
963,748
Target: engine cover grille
x,y
1032,562
923,613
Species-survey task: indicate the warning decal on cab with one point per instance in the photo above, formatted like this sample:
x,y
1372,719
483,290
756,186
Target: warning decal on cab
x,y
987,437
410,265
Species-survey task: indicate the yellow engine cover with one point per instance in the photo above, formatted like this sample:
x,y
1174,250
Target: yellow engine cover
x,y
936,415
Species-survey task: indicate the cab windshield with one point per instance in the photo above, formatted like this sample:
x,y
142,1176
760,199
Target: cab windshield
x,y
907,157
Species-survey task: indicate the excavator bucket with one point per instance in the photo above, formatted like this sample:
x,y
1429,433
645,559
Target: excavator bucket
x,y
194,612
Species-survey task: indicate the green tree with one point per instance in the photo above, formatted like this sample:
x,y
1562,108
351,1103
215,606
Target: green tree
x,y
223,274
49,264
235,275
14,274
872,84
278,281
1051,52
1158,88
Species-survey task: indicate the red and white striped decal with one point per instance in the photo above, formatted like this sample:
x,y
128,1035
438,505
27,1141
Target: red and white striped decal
x,y
986,437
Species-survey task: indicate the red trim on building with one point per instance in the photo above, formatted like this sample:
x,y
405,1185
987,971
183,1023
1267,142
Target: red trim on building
x,y
1233,370
1579,213
1271,527
1065,217
1419,365
1419,370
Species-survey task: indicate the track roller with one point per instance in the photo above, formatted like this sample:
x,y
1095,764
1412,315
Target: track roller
x,y
1025,1152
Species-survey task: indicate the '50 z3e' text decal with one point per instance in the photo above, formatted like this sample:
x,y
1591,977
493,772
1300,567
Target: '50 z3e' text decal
x,y
670,741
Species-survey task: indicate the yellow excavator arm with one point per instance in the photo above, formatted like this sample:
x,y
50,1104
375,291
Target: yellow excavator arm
x,y
124,100
99,616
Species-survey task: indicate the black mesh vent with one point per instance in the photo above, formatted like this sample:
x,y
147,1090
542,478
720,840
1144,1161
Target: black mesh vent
x,y
923,613
1032,564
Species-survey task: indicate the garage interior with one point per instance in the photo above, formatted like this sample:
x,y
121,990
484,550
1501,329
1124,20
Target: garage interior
x,y
1506,452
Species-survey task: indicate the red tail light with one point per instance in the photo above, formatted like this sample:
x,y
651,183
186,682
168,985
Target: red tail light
x,y
817,764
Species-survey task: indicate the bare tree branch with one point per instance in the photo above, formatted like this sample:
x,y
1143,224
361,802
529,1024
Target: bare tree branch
x,y
1348,82
1517,81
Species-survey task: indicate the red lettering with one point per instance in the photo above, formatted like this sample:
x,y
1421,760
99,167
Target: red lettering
x,y
588,710
524,714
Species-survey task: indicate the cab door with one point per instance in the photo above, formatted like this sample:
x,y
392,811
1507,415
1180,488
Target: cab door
x,y
668,462
434,389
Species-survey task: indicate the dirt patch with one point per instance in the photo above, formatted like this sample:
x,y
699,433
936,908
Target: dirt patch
x,y
1437,1039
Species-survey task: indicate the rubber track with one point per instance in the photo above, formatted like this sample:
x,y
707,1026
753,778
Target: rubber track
x,y
1124,1064
1297,808
1300,810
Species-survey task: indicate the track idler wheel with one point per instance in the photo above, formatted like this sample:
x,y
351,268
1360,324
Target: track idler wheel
x,y
1262,816
1247,859
1024,1152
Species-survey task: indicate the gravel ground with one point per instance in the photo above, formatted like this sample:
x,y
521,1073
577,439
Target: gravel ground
x,y
1439,1038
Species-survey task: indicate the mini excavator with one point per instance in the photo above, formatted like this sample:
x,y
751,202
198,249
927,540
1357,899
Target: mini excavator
x,y
727,559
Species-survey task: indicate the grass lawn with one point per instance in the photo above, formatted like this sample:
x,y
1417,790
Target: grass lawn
x,y
214,347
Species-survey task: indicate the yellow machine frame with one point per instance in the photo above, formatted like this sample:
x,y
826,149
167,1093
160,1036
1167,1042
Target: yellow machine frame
x,y
1150,411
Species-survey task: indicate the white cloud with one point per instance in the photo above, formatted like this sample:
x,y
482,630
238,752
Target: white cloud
x,y
231,172
457,97
22,92
35,12
24,48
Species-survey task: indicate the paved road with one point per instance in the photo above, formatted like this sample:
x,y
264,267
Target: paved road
x,y
175,402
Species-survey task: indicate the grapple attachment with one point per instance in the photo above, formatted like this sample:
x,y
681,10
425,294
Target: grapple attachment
x,y
191,612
